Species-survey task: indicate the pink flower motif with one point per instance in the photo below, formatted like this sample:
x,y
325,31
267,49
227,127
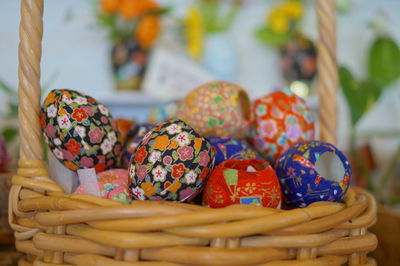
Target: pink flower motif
x,y
104,120
291,172
101,158
86,162
50,131
167,159
268,128
96,135
185,153
293,132
67,155
204,158
142,172
88,110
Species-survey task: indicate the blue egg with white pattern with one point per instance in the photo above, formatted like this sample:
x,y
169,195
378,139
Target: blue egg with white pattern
x,y
231,148
313,171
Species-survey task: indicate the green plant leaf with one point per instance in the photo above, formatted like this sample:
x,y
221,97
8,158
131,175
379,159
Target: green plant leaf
x,y
12,110
267,36
384,61
9,134
7,89
360,95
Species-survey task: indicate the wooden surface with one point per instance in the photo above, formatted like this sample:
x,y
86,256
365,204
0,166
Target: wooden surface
x,y
387,229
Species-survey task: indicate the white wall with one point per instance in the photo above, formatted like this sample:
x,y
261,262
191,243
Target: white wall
x,y
76,51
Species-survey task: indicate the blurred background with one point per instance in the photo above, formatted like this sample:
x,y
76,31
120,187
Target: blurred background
x,y
138,65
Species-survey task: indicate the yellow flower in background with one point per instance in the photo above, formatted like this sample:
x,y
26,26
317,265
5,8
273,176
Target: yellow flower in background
x,y
278,21
293,9
194,33
110,6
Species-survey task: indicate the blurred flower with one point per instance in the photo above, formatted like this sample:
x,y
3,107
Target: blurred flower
x,y
194,33
147,31
110,6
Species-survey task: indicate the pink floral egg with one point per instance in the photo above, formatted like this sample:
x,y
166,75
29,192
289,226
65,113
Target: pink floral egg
x,y
80,132
281,119
217,108
113,184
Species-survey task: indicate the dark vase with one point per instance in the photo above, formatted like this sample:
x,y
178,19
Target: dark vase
x,y
128,64
298,60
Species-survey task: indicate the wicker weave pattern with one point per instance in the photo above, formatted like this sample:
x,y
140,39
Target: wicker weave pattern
x,y
54,228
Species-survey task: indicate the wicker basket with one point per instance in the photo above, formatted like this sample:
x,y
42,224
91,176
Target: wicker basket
x,y
54,228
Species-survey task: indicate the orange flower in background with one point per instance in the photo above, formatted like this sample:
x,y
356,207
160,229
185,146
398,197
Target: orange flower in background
x,y
147,31
110,6
130,9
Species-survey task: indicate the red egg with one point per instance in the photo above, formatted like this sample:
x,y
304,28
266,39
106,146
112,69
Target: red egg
x,y
281,119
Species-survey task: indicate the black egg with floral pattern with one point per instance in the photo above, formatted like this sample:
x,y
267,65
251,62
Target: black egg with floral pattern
x,y
80,132
172,162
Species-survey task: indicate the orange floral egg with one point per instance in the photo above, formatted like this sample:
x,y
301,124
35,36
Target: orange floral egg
x,y
281,119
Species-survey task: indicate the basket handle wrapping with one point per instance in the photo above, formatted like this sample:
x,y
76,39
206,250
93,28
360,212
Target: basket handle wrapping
x,y
31,30
29,54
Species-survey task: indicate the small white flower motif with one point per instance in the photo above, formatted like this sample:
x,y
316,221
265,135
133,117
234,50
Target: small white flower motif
x,y
154,156
132,171
106,146
57,141
159,173
81,100
138,193
81,131
103,109
133,145
85,145
67,99
63,122
111,136
58,154
51,111
183,138
191,177
173,129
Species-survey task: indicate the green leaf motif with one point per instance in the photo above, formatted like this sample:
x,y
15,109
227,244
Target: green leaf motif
x,y
267,36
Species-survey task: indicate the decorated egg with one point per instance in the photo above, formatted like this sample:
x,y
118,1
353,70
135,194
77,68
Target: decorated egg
x,y
133,137
164,112
241,181
313,171
172,162
230,148
217,108
124,126
80,132
281,119
113,184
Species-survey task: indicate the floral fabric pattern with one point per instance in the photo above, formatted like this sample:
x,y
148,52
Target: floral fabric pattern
x,y
240,181
301,183
79,131
113,184
230,148
172,162
281,119
132,139
217,108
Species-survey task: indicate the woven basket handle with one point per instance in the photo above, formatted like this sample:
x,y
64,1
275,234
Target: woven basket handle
x,y
30,51
327,70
